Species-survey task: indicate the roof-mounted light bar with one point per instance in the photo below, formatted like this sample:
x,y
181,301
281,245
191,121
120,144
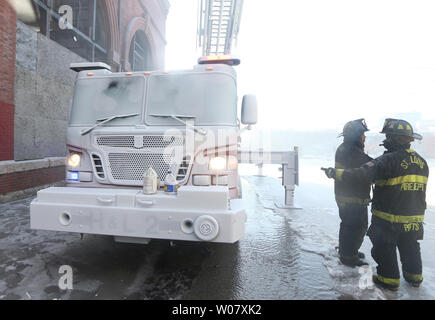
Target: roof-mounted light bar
x,y
223,59
87,66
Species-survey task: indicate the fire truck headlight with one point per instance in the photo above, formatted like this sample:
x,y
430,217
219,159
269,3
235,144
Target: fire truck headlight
x,y
74,160
218,164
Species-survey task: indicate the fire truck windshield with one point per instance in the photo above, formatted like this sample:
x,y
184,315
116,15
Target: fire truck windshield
x,y
210,97
103,98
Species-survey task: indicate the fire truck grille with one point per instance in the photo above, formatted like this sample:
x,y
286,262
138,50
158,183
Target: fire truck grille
x,y
144,142
132,166
116,141
162,141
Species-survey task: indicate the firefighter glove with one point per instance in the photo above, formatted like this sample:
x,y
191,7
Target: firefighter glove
x,y
330,172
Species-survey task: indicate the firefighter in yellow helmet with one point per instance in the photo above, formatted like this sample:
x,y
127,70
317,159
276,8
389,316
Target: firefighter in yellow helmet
x,y
399,202
352,198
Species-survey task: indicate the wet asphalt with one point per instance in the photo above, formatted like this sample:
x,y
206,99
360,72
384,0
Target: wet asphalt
x,y
102,269
265,264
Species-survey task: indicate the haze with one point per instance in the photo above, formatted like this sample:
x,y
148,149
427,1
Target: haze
x,y
316,64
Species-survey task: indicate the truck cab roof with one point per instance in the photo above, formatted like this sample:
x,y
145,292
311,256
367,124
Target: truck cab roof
x,y
89,69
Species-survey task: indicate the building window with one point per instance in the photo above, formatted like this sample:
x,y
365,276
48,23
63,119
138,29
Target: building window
x,y
140,53
89,36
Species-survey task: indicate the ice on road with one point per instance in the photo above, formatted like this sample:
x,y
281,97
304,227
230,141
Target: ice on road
x,y
314,229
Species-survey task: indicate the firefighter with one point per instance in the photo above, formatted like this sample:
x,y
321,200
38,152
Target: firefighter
x,y
399,202
352,198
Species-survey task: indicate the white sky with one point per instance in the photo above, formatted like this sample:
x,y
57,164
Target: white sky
x,y
315,64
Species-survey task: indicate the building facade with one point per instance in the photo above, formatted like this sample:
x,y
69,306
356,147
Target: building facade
x,y
38,41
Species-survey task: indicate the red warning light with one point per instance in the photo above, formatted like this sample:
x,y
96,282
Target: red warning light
x,y
222,59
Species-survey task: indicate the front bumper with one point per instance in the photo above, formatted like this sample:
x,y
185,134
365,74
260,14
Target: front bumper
x,y
193,214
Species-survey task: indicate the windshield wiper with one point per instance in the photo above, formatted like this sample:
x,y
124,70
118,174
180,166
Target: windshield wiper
x,y
178,118
105,120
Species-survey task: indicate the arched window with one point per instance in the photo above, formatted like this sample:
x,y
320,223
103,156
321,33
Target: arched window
x,y
140,52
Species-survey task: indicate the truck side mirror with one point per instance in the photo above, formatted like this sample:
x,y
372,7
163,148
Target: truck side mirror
x,y
249,109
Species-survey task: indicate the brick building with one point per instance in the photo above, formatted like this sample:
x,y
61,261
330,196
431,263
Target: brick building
x,y
38,41
7,76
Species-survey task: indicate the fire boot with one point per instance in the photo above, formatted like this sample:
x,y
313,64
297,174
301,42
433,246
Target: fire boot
x,y
361,255
414,279
352,261
383,282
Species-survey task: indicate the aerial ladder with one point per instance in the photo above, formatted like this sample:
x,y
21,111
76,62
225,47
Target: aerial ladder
x,y
218,25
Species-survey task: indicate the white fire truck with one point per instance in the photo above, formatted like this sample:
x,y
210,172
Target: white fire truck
x,y
185,122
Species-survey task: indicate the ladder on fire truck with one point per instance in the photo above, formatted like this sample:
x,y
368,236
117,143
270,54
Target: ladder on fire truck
x,y
218,25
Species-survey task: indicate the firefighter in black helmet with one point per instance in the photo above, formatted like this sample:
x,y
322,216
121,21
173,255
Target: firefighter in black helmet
x,y
399,202
352,198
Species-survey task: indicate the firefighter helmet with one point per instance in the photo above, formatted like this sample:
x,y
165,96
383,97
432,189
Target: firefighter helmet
x,y
354,129
400,128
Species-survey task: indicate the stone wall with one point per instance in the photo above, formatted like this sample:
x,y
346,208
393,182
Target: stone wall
x,y
44,87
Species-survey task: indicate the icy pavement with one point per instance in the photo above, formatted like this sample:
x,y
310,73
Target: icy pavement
x,y
314,233
103,269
